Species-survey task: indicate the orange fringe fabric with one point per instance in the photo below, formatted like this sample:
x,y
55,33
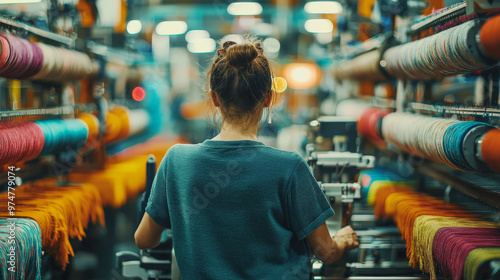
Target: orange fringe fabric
x,y
124,177
62,212
418,217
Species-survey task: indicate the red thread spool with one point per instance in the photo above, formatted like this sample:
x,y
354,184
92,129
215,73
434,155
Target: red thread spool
x,y
490,149
489,36
20,142
369,126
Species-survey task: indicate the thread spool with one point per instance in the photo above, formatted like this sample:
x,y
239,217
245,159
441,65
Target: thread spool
x,y
20,142
447,141
93,125
369,126
63,134
459,143
21,59
443,54
490,151
363,67
113,127
123,117
489,37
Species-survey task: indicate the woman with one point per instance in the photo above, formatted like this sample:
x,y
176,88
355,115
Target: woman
x,y
239,209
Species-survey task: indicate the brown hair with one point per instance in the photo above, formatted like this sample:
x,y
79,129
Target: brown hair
x,y
241,79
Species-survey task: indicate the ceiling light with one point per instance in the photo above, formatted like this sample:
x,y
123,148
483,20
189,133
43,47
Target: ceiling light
x,y
205,45
175,27
196,34
237,38
319,26
134,26
323,7
244,9
271,45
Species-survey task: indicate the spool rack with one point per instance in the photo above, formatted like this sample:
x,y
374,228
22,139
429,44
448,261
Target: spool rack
x,y
43,34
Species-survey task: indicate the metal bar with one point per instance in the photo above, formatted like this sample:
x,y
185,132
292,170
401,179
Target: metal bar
x,y
64,110
491,112
431,20
39,32
488,197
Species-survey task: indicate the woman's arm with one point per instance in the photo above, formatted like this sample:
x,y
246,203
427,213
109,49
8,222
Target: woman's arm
x,y
328,249
148,234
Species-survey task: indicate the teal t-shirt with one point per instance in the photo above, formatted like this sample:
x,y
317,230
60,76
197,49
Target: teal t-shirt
x,y
238,210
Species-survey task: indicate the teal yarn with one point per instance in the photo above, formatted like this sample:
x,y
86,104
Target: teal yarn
x,y
453,142
63,134
28,249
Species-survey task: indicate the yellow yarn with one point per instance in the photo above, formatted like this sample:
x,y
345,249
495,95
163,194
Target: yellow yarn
x,y
476,258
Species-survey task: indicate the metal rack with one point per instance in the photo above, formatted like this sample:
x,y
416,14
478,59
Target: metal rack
x,y
438,18
55,111
440,109
38,32
486,196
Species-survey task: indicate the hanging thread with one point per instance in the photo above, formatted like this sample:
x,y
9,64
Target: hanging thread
x,y
28,249
61,213
436,233
476,258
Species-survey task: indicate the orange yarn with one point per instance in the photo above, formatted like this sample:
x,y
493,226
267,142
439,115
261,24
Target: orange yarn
x,y
61,212
93,124
117,124
124,176
123,115
488,36
381,196
490,149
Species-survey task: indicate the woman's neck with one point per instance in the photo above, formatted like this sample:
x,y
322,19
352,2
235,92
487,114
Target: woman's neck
x,y
234,132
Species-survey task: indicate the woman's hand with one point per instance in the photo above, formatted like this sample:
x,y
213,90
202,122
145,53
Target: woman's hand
x,y
347,236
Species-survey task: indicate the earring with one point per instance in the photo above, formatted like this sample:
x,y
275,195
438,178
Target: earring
x,y
269,115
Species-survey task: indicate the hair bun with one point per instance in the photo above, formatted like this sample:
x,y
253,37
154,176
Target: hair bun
x,y
240,56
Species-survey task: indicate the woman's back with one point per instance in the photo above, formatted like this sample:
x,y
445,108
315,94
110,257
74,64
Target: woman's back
x,y
238,210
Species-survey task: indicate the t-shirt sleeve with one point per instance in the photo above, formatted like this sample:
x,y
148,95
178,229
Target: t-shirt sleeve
x,y
307,205
157,206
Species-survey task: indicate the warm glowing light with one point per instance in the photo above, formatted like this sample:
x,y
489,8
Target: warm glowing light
x,y
319,26
138,94
205,45
244,9
134,26
323,7
196,34
302,75
175,27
